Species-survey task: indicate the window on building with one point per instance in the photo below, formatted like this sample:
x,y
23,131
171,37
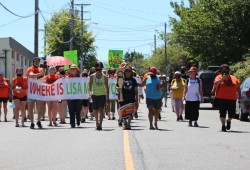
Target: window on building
x,y
17,57
25,61
21,61
13,55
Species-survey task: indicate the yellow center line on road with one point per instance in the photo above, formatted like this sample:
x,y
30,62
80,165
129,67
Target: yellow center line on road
x,y
129,163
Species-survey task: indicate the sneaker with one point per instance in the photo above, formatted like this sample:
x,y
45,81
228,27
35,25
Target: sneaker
x,y
23,125
177,119
196,124
165,105
83,120
32,126
136,115
190,123
17,125
73,126
120,123
39,125
55,124
223,128
78,122
113,118
98,128
181,118
228,125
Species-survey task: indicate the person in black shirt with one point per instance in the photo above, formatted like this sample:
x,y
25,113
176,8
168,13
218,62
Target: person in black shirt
x,y
184,75
130,97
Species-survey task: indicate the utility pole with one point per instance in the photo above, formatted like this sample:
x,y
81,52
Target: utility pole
x,y
36,28
165,48
71,25
155,42
81,51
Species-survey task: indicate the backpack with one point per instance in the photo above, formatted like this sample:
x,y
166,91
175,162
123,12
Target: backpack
x,y
198,80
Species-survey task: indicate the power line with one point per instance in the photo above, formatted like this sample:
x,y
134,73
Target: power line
x,y
125,14
143,45
29,15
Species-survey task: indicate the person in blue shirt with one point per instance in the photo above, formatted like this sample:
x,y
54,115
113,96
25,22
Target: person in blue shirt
x,y
153,96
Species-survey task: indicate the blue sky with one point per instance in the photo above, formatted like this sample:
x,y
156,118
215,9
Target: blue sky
x,y
124,25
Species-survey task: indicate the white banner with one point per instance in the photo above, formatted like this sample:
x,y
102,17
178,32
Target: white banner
x,y
112,88
62,89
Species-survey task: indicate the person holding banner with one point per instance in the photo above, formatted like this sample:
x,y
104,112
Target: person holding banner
x,y
110,105
128,105
19,88
75,105
35,72
5,94
99,90
153,96
85,102
62,104
52,105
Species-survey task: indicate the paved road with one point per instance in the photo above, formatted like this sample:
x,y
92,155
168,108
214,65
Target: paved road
x,y
174,146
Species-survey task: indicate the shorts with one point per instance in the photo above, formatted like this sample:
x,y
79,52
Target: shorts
x,y
227,106
21,99
85,103
156,103
4,99
99,102
110,106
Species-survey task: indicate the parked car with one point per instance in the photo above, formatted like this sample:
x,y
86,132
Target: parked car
x,y
244,104
207,78
213,68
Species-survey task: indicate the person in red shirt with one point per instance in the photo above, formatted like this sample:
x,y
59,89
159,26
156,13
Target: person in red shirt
x,y
52,105
19,88
5,94
35,72
227,89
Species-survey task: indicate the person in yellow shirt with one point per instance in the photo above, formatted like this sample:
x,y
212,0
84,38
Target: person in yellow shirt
x,y
177,87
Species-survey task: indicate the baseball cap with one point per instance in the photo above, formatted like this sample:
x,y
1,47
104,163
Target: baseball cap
x,y
128,68
177,73
152,71
36,59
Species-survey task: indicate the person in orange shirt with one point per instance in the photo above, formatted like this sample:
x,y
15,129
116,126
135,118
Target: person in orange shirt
x,y
35,72
5,94
52,105
19,88
227,87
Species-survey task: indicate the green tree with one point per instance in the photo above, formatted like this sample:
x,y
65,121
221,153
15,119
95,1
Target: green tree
x,y
58,37
213,32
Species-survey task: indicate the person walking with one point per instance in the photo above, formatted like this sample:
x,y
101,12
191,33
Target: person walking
x,y
75,105
52,105
193,95
110,105
5,94
19,88
85,102
177,87
99,90
35,72
130,97
227,89
62,104
153,96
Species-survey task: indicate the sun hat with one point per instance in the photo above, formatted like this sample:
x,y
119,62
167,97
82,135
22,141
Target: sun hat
x,y
193,69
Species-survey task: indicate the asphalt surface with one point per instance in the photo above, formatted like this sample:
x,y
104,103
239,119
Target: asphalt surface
x,y
173,146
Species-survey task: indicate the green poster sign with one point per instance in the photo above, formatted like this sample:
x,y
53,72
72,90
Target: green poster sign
x,y
72,56
115,58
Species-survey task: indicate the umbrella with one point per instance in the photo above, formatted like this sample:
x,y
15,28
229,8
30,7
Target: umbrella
x,y
58,61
